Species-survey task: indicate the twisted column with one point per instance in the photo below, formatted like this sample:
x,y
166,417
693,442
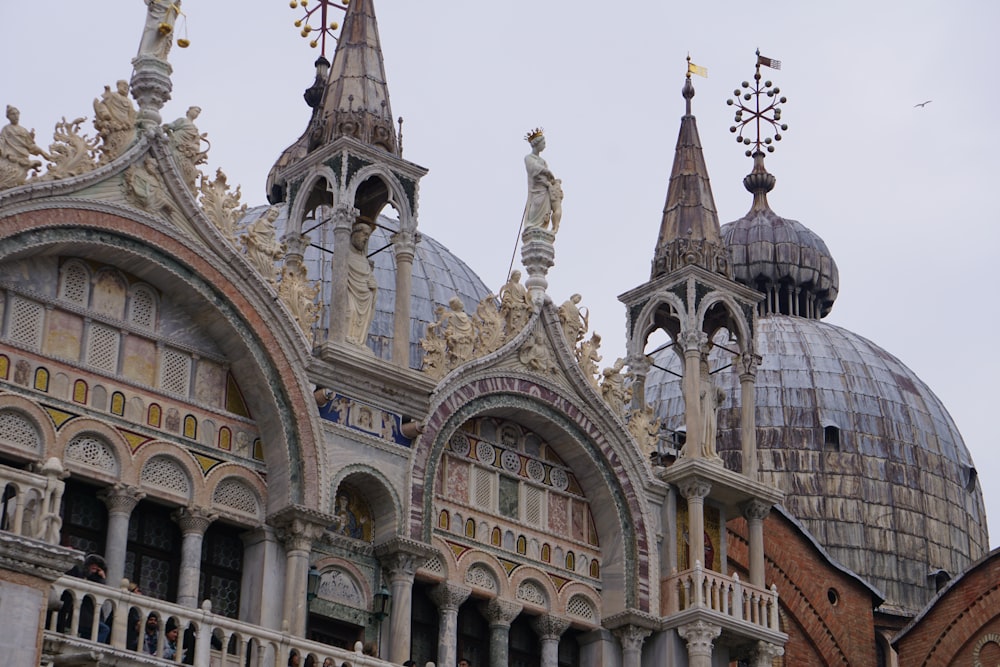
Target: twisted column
x,y
448,598
549,629
500,614
120,500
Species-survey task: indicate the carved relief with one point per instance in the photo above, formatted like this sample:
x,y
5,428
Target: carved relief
x,y
299,295
144,188
613,389
114,120
70,153
185,143
221,205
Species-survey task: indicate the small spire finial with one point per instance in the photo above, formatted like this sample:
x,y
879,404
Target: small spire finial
x,y
758,111
325,28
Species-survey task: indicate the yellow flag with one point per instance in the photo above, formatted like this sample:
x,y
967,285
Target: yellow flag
x,y
695,69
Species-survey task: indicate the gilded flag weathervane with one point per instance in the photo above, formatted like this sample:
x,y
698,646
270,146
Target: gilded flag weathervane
x,y
320,12
750,108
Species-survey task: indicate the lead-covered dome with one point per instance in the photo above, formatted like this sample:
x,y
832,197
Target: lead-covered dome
x,y
779,257
869,459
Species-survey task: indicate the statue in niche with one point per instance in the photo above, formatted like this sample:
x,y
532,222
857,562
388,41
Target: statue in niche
x,y
489,326
613,389
17,145
458,332
157,35
71,154
574,323
299,295
361,286
588,358
114,120
538,209
261,245
515,307
185,142
710,399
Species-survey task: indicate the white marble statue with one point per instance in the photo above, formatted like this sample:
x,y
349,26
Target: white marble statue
x,y
459,333
361,286
185,142
158,33
588,357
574,323
114,120
710,399
515,308
299,295
17,146
539,209
262,247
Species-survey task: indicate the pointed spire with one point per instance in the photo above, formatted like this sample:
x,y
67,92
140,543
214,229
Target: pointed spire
x,y
356,101
689,231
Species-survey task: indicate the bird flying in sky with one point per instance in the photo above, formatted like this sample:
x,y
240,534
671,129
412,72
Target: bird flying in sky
x,y
922,104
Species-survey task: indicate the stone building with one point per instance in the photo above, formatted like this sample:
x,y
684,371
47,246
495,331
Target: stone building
x,y
304,430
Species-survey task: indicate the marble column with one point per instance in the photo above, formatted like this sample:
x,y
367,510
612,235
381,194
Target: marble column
x,y
500,614
298,528
699,637
121,500
764,653
448,598
549,629
538,256
692,342
401,558
755,512
193,523
343,217
748,364
631,638
404,247
695,490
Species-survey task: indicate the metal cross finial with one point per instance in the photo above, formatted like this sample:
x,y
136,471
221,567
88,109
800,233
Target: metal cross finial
x,y
325,27
750,108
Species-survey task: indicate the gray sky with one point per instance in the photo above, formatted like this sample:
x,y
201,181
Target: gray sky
x,y
903,196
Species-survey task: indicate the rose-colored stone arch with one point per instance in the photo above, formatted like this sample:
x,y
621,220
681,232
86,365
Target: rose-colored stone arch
x,y
226,471
266,352
533,574
183,458
536,402
474,557
127,472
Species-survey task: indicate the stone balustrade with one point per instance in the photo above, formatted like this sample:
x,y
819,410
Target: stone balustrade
x,y
699,588
29,502
204,639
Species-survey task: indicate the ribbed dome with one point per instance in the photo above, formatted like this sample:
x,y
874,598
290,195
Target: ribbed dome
x,y
438,275
868,457
782,258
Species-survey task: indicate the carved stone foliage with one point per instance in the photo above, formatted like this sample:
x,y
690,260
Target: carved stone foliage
x,y
644,426
261,245
115,121
70,154
614,391
699,636
299,295
588,358
222,205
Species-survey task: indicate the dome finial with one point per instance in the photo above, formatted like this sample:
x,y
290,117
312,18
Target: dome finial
x,y
758,111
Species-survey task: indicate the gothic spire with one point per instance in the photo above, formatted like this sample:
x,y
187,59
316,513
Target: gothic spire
x,y
689,230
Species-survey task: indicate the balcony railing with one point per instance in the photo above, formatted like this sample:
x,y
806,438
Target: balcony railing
x,y
204,639
721,594
29,502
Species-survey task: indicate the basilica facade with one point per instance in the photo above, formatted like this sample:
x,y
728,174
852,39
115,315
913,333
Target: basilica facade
x,y
305,433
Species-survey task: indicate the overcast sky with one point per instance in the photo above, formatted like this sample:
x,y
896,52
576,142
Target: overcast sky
x,y
904,197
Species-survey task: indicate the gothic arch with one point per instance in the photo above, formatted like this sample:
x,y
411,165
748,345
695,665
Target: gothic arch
x,y
600,459
321,176
735,316
396,195
262,352
645,321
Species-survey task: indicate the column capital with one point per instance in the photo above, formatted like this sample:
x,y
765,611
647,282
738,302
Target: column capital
x,y
549,627
449,597
402,557
747,364
298,527
405,242
193,520
692,340
699,637
500,612
344,215
756,510
121,498
631,636
764,653
694,487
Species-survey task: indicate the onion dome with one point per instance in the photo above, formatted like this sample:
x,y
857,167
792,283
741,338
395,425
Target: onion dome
x,y
782,258
869,459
